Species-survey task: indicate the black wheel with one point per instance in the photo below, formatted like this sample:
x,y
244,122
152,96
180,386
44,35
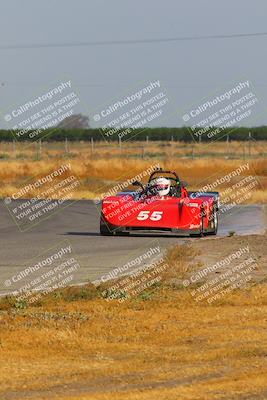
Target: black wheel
x,y
201,233
201,229
104,230
214,222
107,230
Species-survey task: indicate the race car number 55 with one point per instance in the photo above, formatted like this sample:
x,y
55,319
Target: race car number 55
x,y
154,216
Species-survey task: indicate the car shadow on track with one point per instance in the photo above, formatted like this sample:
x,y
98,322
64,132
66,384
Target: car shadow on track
x,y
82,233
132,235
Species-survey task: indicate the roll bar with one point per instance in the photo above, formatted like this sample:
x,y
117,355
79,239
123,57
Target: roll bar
x,y
161,171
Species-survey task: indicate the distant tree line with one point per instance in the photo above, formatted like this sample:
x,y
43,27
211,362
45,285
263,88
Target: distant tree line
x,y
176,134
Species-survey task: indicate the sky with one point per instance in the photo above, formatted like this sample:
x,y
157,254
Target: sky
x,y
189,70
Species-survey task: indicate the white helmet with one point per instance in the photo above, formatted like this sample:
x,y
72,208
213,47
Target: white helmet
x,y
161,186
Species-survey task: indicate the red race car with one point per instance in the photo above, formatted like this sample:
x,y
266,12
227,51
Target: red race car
x,y
164,204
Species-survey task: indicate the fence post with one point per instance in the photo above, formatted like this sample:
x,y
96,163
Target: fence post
x,y
38,147
143,151
249,144
92,146
66,146
171,144
228,145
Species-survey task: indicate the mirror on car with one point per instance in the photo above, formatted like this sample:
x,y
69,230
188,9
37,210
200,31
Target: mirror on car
x,y
139,184
184,183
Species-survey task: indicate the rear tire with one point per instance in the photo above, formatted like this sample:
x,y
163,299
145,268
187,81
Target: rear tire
x,y
215,222
201,233
201,229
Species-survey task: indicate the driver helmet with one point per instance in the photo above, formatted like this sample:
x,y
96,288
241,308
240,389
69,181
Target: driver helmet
x,y
161,186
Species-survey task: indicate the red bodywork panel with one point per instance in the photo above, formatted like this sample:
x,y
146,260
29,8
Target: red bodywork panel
x,y
184,213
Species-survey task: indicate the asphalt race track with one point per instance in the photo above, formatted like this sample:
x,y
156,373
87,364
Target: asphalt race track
x,y
78,225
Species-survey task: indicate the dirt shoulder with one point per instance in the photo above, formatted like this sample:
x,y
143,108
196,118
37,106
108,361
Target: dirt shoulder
x,y
216,249
165,345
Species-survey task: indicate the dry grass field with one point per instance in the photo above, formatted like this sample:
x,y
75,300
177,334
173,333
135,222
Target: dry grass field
x,y
168,348
75,345
106,165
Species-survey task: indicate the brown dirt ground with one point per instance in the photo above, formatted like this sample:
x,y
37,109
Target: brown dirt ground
x,y
168,346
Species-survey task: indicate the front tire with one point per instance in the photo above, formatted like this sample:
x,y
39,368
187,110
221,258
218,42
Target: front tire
x,y
107,230
104,230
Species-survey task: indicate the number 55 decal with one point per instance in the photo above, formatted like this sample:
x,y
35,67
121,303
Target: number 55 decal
x,y
154,216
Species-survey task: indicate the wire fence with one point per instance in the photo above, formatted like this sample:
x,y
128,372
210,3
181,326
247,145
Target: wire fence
x,y
38,150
